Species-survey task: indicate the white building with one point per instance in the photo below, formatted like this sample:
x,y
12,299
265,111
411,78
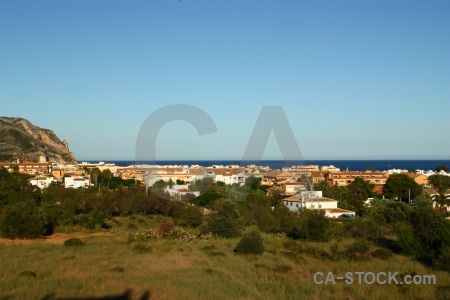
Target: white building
x,y
227,175
177,191
314,200
76,182
42,181
330,168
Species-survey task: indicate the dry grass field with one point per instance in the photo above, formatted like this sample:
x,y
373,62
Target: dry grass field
x,y
108,265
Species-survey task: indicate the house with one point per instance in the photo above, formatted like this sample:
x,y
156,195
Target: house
x,y
420,179
76,182
314,200
167,174
347,177
42,181
30,168
288,188
227,175
179,190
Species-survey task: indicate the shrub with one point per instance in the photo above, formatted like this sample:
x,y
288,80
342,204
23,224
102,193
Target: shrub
x,y
210,236
142,236
359,246
407,241
22,220
73,242
142,222
225,221
311,225
382,254
105,226
92,219
182,235
191,216
132,226
139,248
251,243
442,262
117,269
164,229
364,229
27,273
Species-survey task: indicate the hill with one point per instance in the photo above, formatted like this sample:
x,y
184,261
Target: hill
x,y
19,139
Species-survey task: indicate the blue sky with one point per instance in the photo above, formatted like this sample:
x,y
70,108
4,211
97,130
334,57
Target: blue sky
x,y
357,79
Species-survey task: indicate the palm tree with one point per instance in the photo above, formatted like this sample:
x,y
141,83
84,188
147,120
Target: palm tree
x,y
441,184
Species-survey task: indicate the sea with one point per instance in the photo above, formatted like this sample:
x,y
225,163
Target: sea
x,y
353,165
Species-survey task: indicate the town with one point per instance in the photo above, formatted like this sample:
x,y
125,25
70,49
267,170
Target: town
x,y
298,186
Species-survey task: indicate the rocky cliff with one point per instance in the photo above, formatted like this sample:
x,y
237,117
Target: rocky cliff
x,y
19,139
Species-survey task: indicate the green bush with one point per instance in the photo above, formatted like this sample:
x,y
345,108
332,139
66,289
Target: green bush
x,y
73,242
359,246
225,221
191,216
442,262
22,220
311,225
92,219
407,241
251,243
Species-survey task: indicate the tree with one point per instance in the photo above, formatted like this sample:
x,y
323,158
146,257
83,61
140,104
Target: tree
x,y
224,221
4,174
251,243
423,200
202,185
313,226
401,187
358,192
441,183
442,168
432,230
191,216
253,182
160,184
385,211
407,241
106,174
22,220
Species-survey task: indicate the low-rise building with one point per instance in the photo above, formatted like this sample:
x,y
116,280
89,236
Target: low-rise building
x,y
77,182
177,191
314,200
42,182
30,168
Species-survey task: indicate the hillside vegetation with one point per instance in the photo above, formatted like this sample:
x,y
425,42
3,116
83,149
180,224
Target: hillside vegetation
x,y
64,243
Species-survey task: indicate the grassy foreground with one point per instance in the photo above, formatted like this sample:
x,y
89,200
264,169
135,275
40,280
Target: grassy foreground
x,y
207,269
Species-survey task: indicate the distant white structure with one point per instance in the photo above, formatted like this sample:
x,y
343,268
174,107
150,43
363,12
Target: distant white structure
x,y
42,181
330,168
178,190
395,171
431,172
314,200
76,182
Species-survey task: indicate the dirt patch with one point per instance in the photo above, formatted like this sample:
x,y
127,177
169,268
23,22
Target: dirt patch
x,y
58,238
